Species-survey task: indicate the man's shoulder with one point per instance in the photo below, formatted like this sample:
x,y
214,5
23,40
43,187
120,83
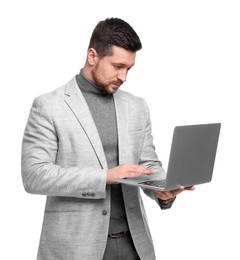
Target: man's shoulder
x,y
134,103
136,106
57,93
130,96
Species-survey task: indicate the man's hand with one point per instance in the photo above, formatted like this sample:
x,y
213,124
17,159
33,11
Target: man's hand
x,y
168,196
126,171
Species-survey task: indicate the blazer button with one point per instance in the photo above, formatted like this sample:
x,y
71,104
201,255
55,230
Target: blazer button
x,y
104,212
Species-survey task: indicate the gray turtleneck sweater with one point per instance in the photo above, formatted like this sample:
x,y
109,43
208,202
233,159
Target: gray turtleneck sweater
x,y
102,108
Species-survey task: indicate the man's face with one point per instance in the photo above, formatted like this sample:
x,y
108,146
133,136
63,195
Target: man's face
x,y
110,72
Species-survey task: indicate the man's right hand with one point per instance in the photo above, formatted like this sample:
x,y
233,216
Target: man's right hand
x,y
126,171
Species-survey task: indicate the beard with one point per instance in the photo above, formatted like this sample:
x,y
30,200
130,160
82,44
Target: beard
x,y
104,86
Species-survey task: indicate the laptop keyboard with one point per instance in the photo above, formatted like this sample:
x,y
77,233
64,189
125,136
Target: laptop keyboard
x,y
157,183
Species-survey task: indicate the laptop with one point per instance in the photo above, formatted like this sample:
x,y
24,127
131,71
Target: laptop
x,y
191,160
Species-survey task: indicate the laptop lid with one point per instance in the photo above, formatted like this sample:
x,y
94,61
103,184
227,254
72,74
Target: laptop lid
x,y
192,155
191,161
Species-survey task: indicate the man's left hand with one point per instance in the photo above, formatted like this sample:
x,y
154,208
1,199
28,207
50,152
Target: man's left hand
x,y
168,196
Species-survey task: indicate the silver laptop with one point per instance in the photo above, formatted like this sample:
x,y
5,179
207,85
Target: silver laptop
x,y
191,160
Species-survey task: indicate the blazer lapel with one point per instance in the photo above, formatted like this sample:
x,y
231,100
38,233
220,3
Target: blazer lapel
x,y
121,105
122,123
78,105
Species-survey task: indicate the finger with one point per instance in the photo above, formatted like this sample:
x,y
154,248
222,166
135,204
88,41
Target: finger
x,y
190,188
137,173
173,193
164,195
181,189
178,191
138,169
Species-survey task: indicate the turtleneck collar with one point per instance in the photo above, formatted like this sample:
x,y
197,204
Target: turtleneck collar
x,y
87,86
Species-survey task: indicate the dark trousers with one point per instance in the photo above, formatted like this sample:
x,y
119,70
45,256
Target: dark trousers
x,y
121,248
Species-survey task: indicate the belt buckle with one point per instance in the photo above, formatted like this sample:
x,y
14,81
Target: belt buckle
x,y
118,234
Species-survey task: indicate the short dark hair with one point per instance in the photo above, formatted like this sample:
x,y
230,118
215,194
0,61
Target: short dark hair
x,y
114,32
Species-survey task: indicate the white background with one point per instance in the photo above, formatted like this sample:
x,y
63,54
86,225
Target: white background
x,y
188,71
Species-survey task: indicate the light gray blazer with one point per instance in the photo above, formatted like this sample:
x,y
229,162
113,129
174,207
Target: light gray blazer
x,y
63,158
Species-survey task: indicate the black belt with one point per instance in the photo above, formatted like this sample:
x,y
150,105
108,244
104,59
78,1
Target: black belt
x,y
118,234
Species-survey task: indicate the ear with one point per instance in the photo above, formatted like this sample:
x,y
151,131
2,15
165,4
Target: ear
x,y
92,56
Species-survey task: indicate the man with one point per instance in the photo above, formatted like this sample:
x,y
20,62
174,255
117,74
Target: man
x,y
81,137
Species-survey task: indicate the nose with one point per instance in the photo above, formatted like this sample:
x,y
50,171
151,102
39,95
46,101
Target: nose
x,y
122,75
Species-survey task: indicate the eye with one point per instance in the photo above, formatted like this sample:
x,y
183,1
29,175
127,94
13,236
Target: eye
x,y
117,66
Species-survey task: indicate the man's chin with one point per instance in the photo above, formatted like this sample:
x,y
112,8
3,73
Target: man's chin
x,y
110,89
113,88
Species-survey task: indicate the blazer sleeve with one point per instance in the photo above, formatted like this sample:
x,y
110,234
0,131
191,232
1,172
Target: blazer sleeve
x,y
149,159
41,174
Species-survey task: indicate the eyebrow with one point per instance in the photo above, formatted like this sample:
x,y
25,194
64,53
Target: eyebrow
x,y
122,65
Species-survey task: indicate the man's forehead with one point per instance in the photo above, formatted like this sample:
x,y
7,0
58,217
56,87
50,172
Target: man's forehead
x,y
122,56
